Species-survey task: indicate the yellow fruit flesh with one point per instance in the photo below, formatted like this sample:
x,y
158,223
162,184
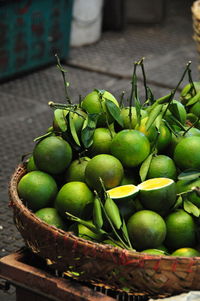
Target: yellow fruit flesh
x,y
122,191
155,183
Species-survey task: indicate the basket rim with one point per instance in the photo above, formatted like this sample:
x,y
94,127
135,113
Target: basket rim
x,y
123,255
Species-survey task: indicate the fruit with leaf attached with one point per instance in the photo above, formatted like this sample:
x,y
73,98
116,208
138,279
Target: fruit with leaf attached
x,y
95,103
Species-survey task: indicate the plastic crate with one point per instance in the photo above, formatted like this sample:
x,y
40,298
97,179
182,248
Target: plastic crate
x,y
31,32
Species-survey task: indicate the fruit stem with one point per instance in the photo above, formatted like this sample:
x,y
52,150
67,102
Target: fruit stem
x,y
193,125
173,92
141,63
66,84
71,108
133,91
191,82
121,99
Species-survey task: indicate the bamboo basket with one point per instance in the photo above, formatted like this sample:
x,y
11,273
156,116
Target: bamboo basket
x,y
99,264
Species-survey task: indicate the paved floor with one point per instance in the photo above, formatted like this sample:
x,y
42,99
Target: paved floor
x,y
107,64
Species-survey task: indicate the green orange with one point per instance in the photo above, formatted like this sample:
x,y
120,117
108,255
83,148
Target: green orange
x,y
52,155
131,147
162,166
102,139
186,252
37,189
106,167
186,153
51,217
131,122
181,230
75,198
147,229
158,194
94,104
76,170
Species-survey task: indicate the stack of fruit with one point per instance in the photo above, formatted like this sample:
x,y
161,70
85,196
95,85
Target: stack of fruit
x,y
121,173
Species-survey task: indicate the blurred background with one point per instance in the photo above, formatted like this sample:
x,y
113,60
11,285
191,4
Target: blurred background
x,y
97,42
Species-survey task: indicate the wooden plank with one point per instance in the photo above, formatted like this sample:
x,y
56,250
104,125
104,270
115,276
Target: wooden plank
x,y
14,269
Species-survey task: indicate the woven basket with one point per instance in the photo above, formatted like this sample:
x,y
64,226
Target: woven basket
x,y
110,266
196,23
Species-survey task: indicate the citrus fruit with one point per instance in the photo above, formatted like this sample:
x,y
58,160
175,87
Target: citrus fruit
x,y
52,155
195,109
75,198
192,132
126,118
183,186
162,166
102,139
92,103
181,230
106,167
123,192
158,194
76,170
153,252
131,147
186,153
31,165
151,133
164,138
146,229
51,217
37,189
187,252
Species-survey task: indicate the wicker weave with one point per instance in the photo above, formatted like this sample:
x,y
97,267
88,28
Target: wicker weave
x,y
196,23
96,263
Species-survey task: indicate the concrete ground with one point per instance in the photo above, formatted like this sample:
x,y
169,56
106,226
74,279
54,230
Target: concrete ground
x,y
107,64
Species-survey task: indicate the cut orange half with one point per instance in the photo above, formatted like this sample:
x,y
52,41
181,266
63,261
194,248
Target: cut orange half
x,y
158,194
123,192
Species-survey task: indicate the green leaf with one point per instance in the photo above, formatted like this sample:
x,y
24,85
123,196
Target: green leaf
x,y
164,99
176,121
194,99
114,111
189,175
43,136
99,91
97,214
191,208
85,223
125,233
73,128
60,119
175,111
113,212
144,168
152,116
178,203
88,129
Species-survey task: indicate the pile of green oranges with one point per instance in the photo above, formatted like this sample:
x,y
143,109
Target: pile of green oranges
x,y
125,174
